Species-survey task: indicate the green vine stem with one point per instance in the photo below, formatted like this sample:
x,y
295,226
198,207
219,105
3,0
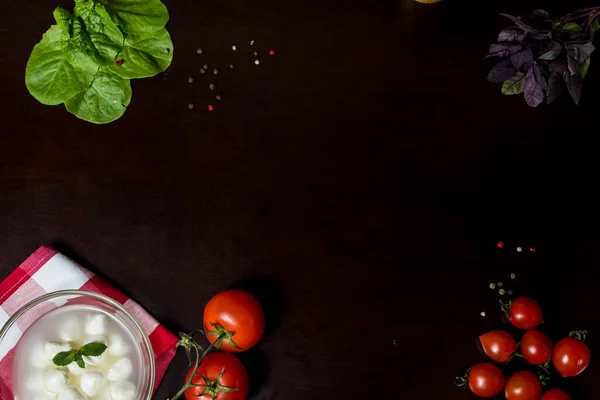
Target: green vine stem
x,y
579,335
188,343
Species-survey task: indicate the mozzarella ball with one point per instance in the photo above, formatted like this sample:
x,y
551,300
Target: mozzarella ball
x,y
70,394
53,348
96,324
55,380
70,330
117,346
122,369
74,369
37,356
122,390
91,383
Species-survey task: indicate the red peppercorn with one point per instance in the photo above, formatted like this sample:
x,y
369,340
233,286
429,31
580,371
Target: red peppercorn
x,y
271,52
119,62
211,107
500,245
532,249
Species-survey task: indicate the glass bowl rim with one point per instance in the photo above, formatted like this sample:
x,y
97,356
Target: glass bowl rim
x,y
75,292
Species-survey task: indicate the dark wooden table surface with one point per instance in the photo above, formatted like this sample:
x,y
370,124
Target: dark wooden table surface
x,y
357,182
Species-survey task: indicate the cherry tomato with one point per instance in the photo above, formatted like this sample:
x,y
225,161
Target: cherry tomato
x,y
524,313
555,394
536,347
498,345
235,320
485,380
523,385
570,356
234,376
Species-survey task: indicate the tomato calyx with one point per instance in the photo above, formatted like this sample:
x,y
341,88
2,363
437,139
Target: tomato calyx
x,y
462,381
212,388
222,335
505,307
579,335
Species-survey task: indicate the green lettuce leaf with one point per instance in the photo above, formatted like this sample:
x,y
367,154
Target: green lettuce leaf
x,y
49,76
144,56
138,16
95,32
104,101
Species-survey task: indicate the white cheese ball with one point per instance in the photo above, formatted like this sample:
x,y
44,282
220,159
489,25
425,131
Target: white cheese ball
x,y
53,348
70,330
74,369
117,346
70,394
122,369
91,383
37,356
96,324
97,359
55,380
122,390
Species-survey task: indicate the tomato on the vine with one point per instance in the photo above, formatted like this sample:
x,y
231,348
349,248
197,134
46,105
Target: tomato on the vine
x,y
234,321
523,313
555,394
498,345
226,379
484,379
536,347
571,356
523,385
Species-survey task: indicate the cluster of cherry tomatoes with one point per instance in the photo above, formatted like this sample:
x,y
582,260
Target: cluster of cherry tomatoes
x,y
233,322
570,356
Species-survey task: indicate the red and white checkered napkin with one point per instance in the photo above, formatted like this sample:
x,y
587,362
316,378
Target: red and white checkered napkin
x,y
46,271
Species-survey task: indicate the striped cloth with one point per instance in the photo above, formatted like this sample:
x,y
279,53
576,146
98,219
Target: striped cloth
x,y
47,271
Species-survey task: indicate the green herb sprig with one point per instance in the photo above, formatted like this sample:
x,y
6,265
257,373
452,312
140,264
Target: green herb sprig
x,y
93,349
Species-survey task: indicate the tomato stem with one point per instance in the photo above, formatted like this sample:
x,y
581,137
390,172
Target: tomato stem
x,y
505,307
188,343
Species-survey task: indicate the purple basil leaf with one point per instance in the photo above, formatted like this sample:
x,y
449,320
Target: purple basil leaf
x,y
534,93
520,23
541,75
541,14
501,71
504,49
554,86
573,83
552,51
558,66
511,34
540,35
580,51
573,65
523,60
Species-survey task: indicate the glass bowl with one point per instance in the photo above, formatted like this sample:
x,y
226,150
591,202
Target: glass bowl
x,y
17,325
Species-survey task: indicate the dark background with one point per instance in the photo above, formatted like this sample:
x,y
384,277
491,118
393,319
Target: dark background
x,y
357,182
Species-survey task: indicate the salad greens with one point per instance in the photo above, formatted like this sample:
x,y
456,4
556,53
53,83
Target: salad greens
x,y
87,59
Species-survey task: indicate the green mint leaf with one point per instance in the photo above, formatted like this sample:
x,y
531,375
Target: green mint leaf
x,y
79,361
93,349
65,358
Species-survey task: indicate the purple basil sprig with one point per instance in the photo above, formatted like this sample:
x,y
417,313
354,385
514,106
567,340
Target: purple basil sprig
x,y
541,57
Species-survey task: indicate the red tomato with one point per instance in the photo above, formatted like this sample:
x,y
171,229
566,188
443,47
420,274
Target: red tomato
x,y
498,345
555,394
234,319
234,377
523,385
524,313
570,356
536,347
485,380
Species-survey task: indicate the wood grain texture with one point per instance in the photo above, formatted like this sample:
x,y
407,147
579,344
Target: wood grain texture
x,y
356,182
